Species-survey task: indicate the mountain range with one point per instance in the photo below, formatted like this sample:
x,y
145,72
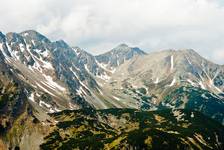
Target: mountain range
x,y
43,82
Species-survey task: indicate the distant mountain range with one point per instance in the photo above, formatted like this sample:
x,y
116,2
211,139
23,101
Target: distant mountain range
x,y
38,76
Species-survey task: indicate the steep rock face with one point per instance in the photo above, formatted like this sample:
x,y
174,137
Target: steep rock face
x,y
30,54
60,77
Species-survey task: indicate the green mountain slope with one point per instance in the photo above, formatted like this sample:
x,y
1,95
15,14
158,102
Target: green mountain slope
x,y
132,129
197,99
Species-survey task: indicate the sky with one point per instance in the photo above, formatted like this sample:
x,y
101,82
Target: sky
x,y
100,25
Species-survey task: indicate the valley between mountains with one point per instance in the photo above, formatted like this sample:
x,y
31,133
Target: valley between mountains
x,y
55,96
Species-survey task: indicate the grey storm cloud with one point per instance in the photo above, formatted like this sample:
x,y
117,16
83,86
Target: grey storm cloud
x,y
99,25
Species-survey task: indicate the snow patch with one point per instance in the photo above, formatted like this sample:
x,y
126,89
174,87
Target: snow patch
x,y
191,82
56,109
33,42
81,91
86,67
51,109
45,53
100,91
53,84
168,105
79,80
157,80
171,62
73,72
113,70
204,96
13,53
178,114
31,97
21,47
192,114
104,66
71,106
47,64
173,82
44,89
76,51
104,76
118,62
202,85
38,95
42,103
218,89
188,60
26,34
118,99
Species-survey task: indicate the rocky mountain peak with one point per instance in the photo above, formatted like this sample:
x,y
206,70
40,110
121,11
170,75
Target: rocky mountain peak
x,y
124,49
30,33
34,35
122,45
119,55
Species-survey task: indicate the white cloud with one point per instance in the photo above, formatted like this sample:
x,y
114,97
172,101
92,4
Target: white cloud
x,y
98,25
